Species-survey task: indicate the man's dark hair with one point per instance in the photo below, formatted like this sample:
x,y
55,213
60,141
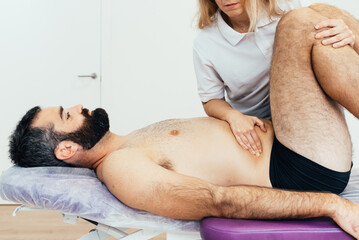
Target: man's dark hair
x,y
34,147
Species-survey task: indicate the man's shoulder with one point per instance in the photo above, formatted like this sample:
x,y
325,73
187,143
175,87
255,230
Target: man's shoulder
x,y
117,163
127,172
121,156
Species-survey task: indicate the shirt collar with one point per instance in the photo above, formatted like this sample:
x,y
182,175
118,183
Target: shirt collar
x,y
266,21
232,36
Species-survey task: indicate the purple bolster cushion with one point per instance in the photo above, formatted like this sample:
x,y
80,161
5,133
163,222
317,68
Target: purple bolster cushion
x,y
310,229
237,229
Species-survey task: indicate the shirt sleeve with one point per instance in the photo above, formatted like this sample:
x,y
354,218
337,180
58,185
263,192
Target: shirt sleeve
x,y
209,83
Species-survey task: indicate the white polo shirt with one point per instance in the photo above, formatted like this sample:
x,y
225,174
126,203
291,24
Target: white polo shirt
x,y
236,65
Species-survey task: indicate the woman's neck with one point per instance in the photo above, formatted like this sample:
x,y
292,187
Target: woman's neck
x,y
239,23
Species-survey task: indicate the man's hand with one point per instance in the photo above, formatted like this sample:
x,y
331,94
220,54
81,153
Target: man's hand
x,y
346,215
338,34
243,129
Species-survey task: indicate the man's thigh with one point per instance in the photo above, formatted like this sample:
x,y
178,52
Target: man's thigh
x,y
305,119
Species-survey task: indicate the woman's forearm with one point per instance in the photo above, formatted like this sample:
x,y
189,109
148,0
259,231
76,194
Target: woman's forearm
x,y
218,108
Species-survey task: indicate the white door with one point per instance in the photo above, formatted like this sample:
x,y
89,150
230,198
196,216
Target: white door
x,y
44,46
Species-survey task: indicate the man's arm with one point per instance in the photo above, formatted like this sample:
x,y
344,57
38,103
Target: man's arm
x,y
140,183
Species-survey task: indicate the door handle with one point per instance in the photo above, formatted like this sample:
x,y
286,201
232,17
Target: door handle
x,y
93,76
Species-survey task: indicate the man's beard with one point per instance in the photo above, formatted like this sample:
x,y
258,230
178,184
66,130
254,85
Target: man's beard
x,y
92,130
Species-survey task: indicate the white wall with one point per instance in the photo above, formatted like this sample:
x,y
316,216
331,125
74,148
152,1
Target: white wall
x,y
42,53
151,77
148,73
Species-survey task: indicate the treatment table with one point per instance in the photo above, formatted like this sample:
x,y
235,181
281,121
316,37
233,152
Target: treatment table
x,y
77,192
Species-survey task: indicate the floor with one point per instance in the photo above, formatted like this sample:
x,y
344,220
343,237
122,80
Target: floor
x,y
42,226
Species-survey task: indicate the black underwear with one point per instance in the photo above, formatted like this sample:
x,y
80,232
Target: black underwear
x,y
289,170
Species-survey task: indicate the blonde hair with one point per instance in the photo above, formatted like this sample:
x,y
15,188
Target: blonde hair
x,y
255,9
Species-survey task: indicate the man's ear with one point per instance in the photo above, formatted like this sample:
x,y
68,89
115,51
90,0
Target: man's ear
x,y
66,149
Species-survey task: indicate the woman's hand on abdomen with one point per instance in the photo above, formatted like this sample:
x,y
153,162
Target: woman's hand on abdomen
x,y
242,127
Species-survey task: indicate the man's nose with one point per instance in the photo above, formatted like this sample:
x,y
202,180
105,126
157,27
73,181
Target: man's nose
x,y
78,108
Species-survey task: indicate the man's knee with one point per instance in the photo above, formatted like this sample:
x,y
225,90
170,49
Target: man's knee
x,y
328,10
298,24
300,18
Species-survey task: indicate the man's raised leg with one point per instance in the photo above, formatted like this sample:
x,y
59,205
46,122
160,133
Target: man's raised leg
x,y
306,119
338,77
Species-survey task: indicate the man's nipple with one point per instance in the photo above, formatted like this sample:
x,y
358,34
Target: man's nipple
x,y
174,132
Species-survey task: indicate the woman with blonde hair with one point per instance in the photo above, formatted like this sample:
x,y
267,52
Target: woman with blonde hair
x,y
232,55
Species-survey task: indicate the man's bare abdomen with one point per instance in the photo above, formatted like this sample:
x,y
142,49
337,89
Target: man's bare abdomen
x,y
204,148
